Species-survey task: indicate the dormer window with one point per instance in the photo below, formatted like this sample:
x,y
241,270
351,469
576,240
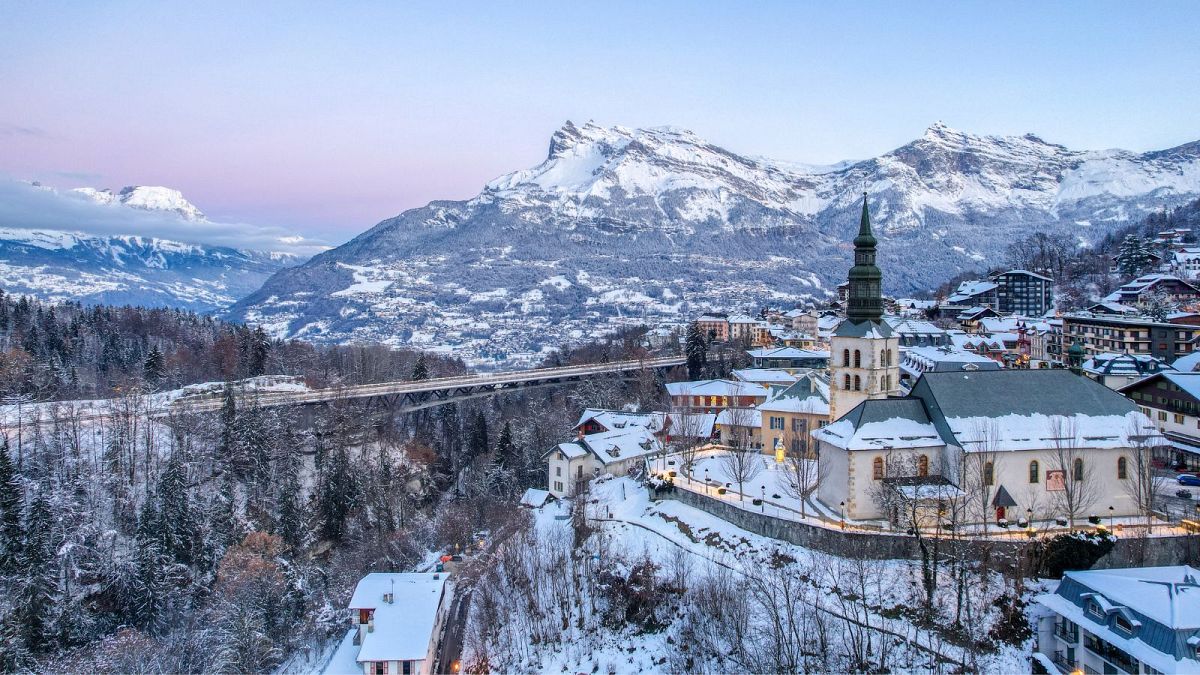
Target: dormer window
x,y
1122,624
1094,609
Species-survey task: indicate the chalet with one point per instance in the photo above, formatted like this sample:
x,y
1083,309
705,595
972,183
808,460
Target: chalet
x,y
715,395
398,621
1141,290
740,427
917,332
1172,400
971,318
1117,370
767,377
1006,426
1131,620
1186,263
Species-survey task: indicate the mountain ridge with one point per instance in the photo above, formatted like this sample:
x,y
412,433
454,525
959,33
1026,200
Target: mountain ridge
x,y
619,225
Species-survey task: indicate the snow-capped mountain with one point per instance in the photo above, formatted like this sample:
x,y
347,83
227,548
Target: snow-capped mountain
x,y
147,198
73,264
619,224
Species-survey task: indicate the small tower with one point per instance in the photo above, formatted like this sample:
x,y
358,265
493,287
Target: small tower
x,y
864,351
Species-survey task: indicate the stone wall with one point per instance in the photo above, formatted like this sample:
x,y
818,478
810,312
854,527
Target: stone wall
x,y
1128,552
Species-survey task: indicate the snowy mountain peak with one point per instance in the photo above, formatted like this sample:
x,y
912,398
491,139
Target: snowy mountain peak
x,y
146,198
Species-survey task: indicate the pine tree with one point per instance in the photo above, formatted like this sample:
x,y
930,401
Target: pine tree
x,y
149,592
223,516
506,450
1134,256
178,535
479,435
291,516
420,370
697,351
336,494
154,368
228,446
12,510
39,574
260,349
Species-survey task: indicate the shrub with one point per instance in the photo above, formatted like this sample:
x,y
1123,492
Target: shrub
x,y
1073,551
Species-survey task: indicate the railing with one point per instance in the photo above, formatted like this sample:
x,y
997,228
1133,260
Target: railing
x,y
1060,660
1124,663
1069,634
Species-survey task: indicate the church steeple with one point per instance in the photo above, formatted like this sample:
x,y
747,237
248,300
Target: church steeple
x,y
866,281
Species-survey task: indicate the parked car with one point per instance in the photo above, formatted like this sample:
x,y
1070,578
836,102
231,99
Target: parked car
x,y
1188,479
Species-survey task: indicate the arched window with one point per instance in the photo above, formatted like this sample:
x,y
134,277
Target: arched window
x,y
1077,470
989,474
847,387
1034,472
923,465
846,358
887,383
857,359
857,383
1122,468
877,468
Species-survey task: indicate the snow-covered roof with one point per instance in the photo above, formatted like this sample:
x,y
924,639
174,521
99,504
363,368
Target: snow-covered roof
x,y
1187,363
890,433
614,420
696,425
787,353
967,291
917,360
1026,272
809,394
571,449
535,498
740,417
1121,364
403,627
909,326
716,388
763,375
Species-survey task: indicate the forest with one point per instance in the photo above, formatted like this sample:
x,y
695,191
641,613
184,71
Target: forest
x,y
231,541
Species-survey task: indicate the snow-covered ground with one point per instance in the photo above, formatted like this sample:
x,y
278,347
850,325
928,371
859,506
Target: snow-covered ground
x,y
690,549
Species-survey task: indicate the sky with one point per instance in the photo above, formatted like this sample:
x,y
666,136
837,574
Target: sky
x,y
321,119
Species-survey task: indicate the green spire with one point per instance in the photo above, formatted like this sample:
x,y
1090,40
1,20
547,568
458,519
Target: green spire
x,y
864,227
866,281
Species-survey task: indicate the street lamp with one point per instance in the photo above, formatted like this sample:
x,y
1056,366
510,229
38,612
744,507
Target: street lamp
x,y
763,502
706,481
1110,519
843,507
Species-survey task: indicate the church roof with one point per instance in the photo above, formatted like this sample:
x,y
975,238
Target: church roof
x,y
871,329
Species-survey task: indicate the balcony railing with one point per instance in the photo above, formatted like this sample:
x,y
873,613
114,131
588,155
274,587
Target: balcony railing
x,y
1060,660
1123,662
1069,634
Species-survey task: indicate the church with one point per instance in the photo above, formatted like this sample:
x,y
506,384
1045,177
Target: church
x,y
988,445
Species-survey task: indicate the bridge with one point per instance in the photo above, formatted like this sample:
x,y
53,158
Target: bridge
x,y
413,395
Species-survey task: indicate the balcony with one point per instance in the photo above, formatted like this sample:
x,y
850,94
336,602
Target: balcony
x,y
1070,635
1060,660
1116,661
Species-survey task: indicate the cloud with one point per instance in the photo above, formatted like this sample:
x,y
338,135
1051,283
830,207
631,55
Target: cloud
x,y
27,206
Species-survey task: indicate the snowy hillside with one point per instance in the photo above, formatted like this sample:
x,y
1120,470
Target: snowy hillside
x,y
73,264
618,225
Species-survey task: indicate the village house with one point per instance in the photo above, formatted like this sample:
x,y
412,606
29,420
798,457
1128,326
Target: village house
x,y
1186,263
767,377
749,331
715,395
666,426
573,464
974,293
398,621
789,416
740,427
1172,400
1134,620
917,332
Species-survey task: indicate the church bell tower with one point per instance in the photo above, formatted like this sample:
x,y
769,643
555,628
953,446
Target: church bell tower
x,y
864,351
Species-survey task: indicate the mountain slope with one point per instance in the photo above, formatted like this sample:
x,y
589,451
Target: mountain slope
x,y
68,264
619,224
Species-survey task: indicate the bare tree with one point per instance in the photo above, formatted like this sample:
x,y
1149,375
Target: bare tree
x,y
979,471
803,470
689,432
741,461
1079,488
1136,469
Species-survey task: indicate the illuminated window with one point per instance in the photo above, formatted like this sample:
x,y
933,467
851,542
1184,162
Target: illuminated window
x,y
923,466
